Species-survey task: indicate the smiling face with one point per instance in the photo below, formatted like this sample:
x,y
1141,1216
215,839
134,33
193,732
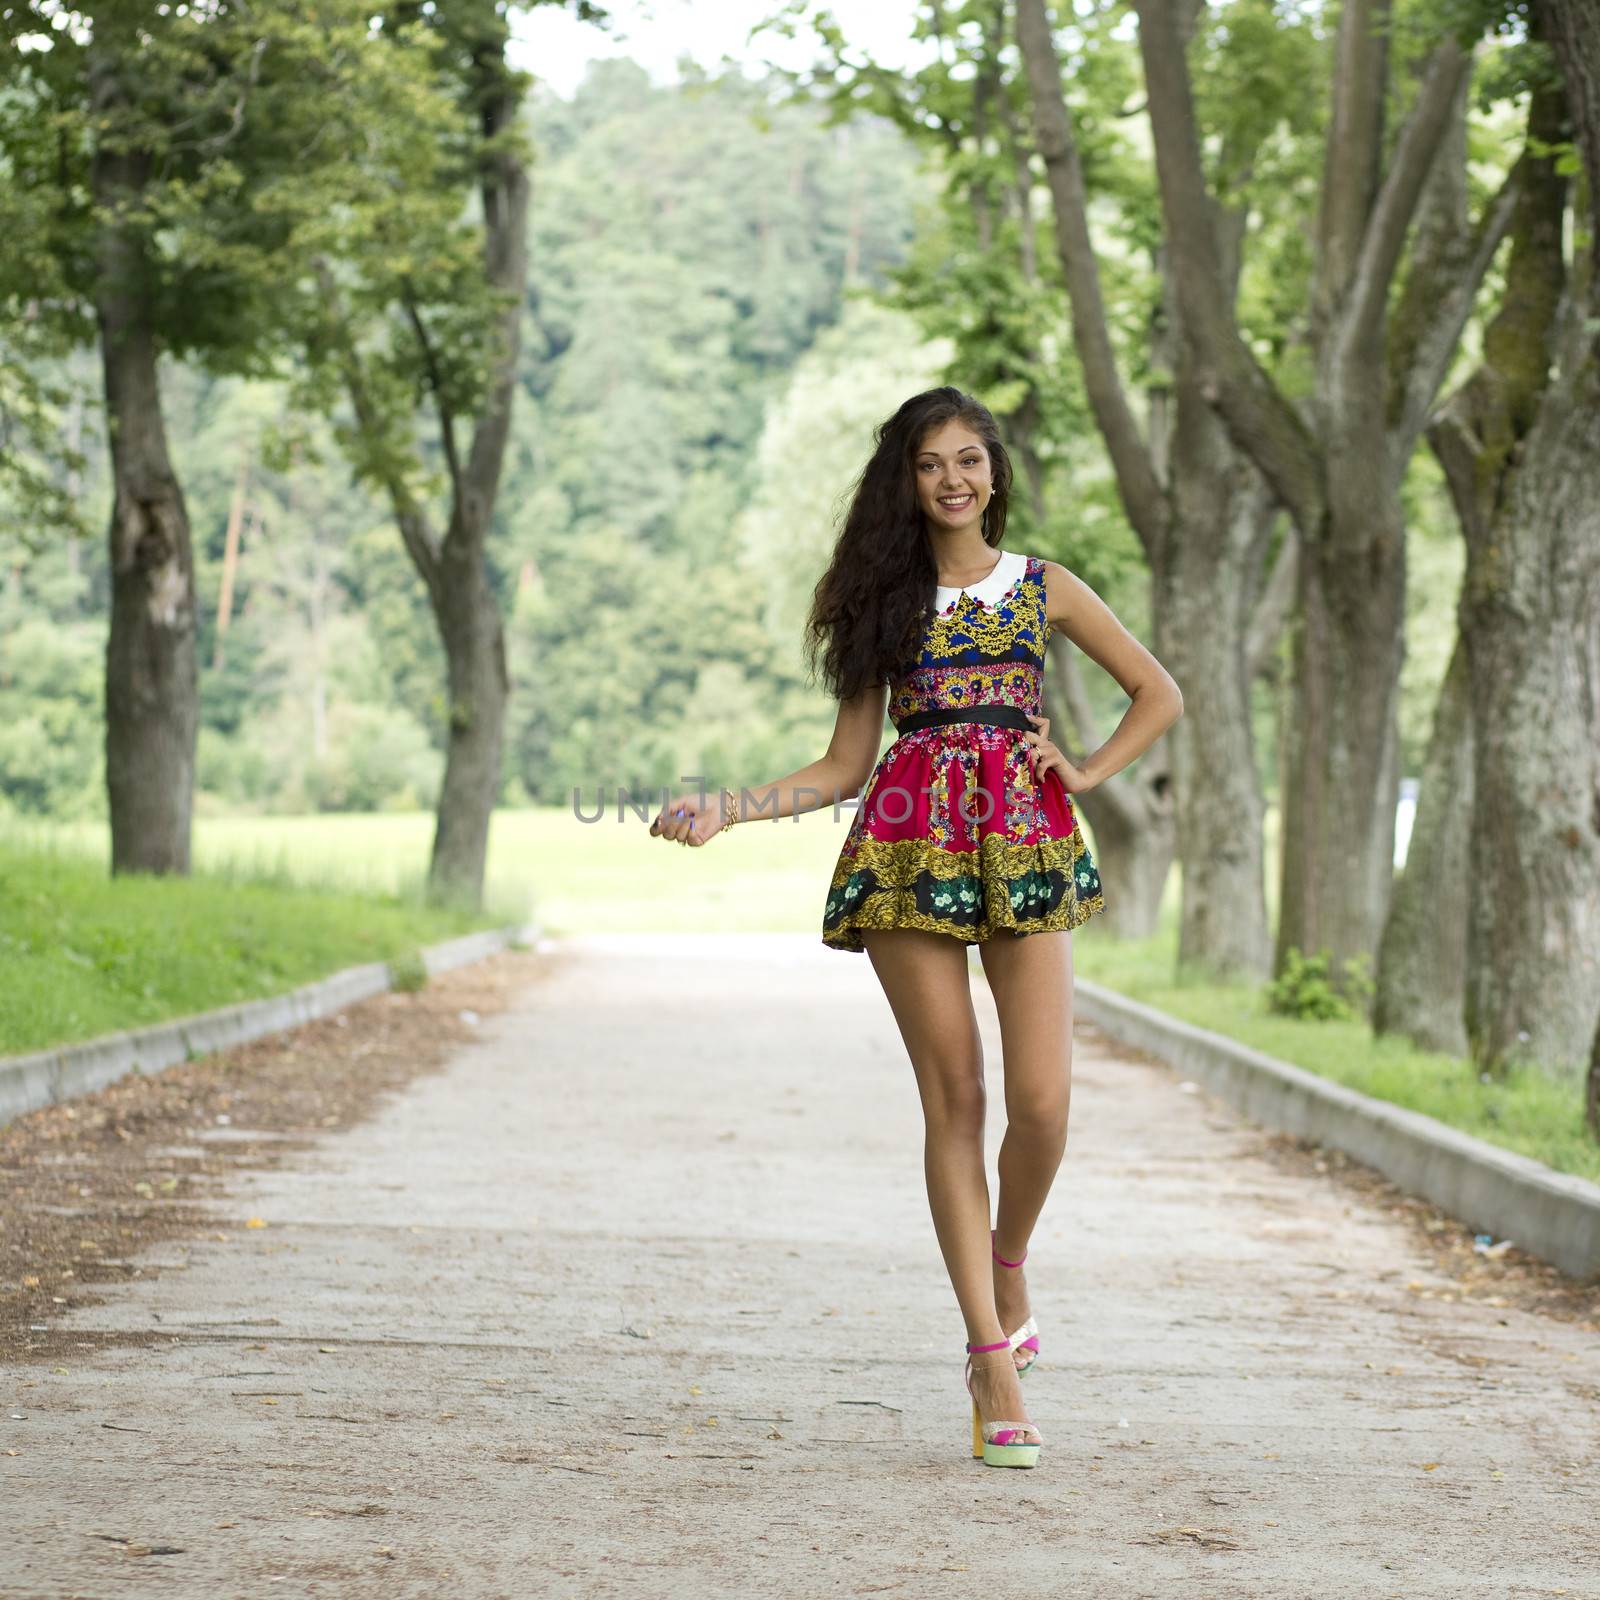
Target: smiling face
x,y
954,480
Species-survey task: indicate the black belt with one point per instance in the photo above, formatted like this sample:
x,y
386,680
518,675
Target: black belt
x,y
1002,716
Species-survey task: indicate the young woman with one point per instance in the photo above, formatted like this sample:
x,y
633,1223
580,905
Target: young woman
x,y
965,835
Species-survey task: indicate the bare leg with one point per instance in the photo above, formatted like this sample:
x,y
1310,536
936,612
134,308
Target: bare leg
x,y
1031,978
924,977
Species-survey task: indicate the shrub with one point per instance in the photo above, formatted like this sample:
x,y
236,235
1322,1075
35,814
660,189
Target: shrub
x,y
407,972
1304,990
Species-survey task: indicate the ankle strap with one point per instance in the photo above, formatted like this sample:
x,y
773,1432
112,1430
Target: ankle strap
x,y
1000,1258
978,1349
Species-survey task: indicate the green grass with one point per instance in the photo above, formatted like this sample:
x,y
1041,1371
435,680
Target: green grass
x,y
1526,1111
84,954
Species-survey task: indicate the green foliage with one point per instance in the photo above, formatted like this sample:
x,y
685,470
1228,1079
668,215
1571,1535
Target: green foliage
x,y
632,457
1304,990
408,972
51,755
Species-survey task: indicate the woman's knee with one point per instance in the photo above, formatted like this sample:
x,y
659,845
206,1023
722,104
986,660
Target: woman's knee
x,y
955,1102
1040,1111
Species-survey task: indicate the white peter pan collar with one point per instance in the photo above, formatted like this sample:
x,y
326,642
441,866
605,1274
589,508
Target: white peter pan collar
x,y
990,590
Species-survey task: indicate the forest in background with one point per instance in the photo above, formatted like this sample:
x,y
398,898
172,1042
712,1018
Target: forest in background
x,y
731,295
693,244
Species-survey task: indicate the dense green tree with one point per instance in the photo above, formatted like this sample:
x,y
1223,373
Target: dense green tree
x,y
419,312
168,157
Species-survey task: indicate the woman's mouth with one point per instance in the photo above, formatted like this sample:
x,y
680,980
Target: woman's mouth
x,y
956,502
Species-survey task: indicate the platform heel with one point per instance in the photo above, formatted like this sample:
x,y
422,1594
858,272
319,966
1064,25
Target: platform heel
x,y
1000,1444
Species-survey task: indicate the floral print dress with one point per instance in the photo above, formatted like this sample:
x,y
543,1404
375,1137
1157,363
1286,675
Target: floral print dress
x,y
952,833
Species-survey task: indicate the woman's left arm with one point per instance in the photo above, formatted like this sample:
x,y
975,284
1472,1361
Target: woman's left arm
x,y
1074,609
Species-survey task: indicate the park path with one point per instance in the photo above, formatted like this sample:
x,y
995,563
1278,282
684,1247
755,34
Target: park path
x,y
639,1297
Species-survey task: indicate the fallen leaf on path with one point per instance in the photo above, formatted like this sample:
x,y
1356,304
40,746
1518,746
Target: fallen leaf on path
x,y
1204,1538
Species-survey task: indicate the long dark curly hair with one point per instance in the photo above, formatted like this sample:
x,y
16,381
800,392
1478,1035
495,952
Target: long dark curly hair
x,y
869,608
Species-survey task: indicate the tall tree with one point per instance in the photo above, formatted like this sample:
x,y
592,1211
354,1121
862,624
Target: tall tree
x,y
412,313
171,153
1520,446
1205,519
1337,460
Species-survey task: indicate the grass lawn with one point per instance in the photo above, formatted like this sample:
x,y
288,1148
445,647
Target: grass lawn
x,y
1526,1112
85,955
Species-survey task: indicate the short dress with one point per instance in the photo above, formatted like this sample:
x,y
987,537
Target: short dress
x,y
952,833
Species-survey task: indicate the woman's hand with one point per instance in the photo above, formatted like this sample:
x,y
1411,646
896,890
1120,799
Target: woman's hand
x,y
689,819
1043,757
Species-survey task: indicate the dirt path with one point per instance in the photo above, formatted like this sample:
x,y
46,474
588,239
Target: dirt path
x,y
639,1297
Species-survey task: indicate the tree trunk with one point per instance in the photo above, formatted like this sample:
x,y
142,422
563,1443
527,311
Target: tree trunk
x,y
1520,445
1131,815
464,604
1422,957
1209,573
1339,469
1197,509
1340,765
1591,1099
152,677
474,642
1533,988
1134,850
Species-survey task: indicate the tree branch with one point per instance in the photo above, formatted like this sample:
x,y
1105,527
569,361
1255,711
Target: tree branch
x,y
1262,422
1573,29
1141,493
430,361
1360,328
1438,298
1353,151
411,517
1479,434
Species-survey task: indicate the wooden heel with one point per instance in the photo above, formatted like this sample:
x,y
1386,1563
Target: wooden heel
x,y
977,1433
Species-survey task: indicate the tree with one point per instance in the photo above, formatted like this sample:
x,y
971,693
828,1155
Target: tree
x,y
415,302
1519,442
1202,513
1336,461
170,156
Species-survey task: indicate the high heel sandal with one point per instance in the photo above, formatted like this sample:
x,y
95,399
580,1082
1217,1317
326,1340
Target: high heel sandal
x,y
1027,1336
1000,1444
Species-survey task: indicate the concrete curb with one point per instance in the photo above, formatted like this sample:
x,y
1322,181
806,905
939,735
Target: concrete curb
x,y
1551,1214
27,1082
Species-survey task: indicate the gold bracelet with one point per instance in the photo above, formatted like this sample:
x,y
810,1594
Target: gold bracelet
x,y
730,812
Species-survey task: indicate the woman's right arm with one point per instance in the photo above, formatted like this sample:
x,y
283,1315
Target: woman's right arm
x,y
839,774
